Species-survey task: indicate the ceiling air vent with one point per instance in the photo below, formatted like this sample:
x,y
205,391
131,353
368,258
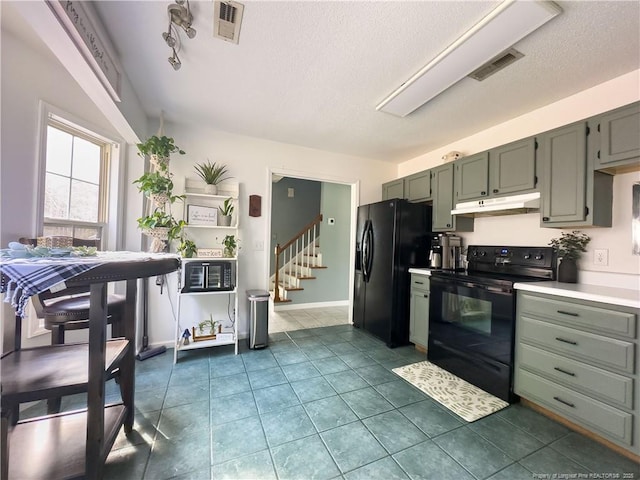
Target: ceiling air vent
x,y
496,64
227,20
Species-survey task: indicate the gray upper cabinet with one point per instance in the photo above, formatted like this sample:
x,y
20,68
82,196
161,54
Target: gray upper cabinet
x,y
573,194
393,189
472,176
619,139
512,168
443,197
504,170
417,187
564,163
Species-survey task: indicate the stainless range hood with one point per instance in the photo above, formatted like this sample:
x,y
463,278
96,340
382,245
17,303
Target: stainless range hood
x,y
524,203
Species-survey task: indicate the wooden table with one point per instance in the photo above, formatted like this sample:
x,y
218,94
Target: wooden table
x,y
76,444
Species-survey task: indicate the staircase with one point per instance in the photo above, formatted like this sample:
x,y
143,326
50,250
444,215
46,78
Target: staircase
x,y
295,262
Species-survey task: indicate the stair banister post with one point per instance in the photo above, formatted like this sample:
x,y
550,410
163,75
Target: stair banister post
x,y
276,290
315,236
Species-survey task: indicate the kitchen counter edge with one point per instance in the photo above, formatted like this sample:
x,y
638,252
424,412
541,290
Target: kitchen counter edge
x,y
594,293
420,271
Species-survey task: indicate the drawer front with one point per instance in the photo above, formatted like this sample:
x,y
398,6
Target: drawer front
x,y
604,351
420,282
593,318
608,386
589,412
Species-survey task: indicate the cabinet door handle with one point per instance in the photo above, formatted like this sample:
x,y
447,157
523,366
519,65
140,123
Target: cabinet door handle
x,y
564,371
570,342
426,296
563,312
448,225
495,190
568,404
483,193
545,219
419,283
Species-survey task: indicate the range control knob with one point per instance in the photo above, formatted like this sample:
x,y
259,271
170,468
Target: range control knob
x,y
527,256
483,253
539,256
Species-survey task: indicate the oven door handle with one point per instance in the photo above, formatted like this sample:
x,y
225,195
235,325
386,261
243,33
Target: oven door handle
x,y
450,284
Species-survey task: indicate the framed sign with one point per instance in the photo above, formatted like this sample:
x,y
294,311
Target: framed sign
x,y
86,31
201,215
209,252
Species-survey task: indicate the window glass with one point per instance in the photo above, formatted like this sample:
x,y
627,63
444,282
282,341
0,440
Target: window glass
x,y
59,146
75,182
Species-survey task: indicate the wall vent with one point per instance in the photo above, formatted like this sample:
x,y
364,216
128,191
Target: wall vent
x,y
496,64
227,19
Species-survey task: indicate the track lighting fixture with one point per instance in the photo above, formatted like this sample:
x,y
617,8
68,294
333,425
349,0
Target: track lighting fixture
x,y
174,60
179,15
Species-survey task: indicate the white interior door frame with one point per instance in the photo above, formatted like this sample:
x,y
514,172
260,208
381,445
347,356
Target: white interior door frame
x,y
355,197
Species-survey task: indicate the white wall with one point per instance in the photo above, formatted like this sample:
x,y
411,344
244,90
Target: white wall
x,y
29,76
525,229
250,160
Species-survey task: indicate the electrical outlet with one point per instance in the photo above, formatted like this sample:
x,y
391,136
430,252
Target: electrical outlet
x,y
601,257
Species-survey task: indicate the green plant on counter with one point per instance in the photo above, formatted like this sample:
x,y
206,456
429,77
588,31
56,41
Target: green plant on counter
x,y
211,173
570,246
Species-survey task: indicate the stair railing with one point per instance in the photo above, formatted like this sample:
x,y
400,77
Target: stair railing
x,y
296,254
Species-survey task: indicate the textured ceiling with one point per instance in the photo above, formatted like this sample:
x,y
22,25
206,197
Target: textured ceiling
x,y
311,72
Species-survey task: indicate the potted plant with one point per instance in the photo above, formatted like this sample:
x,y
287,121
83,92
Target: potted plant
x,y
212,174
226,211
569,248
158,186
159,149
187,248
230,245
161,224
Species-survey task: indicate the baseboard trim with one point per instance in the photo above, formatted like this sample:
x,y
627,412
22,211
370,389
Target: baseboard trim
x,y
300,306
577,428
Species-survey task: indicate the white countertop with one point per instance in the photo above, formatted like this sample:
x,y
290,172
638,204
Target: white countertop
x,y
421,271
595,293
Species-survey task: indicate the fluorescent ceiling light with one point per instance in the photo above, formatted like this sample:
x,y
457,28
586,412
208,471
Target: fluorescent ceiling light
x,y
508,23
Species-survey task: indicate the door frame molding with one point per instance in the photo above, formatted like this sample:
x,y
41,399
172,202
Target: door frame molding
x,y
355,195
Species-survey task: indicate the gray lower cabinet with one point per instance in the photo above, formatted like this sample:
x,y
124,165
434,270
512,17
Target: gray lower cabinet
x,y
417,187
572,193
579,359
393,189
619,139
442,181
419,310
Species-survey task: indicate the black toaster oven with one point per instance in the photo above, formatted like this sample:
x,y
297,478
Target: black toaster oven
x,y
207,276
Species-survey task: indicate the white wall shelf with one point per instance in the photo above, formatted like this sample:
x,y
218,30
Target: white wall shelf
x,y
219,305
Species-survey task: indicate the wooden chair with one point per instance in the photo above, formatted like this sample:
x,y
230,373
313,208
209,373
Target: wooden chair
x,y
68,309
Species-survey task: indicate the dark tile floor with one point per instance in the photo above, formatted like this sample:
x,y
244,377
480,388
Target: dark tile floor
x,y
323,403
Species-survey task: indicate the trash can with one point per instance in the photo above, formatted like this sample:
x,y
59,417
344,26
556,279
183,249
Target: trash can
x,y
258,318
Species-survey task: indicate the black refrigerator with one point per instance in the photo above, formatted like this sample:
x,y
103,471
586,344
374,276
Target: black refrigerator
x,y
391,236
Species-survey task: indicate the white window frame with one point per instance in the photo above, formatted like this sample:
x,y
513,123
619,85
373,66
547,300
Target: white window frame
x,y
112,233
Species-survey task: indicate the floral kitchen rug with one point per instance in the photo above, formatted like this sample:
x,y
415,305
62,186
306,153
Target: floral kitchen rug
x,y
459,396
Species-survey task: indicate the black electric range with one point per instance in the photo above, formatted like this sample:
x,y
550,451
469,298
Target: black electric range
x,y
472,313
